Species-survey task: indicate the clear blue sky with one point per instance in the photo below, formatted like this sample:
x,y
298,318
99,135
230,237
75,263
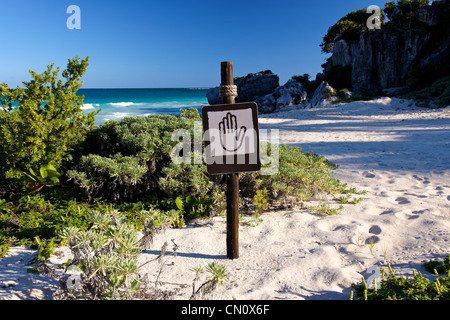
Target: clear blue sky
x,y
170,43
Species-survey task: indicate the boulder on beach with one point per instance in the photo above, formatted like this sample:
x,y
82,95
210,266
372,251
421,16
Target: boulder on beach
x,y
291,94
324,95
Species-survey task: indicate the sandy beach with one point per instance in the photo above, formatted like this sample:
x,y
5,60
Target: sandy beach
x,y
398,153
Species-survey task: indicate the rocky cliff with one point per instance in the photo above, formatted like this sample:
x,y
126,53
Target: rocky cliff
x,y
410,51
249,87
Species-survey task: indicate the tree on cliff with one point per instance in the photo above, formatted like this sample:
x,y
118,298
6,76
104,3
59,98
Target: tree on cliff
x,y
354,23
347,28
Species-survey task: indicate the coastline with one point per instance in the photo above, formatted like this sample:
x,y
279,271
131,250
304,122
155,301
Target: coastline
x,y
396,152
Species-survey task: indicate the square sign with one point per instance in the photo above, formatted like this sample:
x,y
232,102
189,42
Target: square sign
x,y
231,137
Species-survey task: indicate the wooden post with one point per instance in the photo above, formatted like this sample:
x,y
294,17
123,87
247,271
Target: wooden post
x,y
232,180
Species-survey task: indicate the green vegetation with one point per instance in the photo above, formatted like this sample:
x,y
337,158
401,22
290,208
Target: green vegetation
x,y
439,267
42,123
393,287
353,98
64,181
437,95
348,28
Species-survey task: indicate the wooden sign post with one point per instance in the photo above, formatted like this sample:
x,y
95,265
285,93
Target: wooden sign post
x,y
232,179
231,132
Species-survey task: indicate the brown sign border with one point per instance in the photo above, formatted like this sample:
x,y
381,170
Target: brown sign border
x,y
222,165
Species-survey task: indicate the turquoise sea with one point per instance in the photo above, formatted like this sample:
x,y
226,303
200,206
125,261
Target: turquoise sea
x,y
116,104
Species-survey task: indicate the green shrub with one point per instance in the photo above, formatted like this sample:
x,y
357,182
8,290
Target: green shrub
x,y
41,217
42,123
107,254
300,177
353,98
438,94
440,267
125,159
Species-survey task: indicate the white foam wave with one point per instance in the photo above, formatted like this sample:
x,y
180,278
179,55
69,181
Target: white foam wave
x,y
88,106
119,115
121,104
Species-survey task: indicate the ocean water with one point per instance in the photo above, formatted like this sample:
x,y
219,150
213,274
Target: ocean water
x,y
116,104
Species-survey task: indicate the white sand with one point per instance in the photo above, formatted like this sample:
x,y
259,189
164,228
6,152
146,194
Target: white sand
x,y
400,155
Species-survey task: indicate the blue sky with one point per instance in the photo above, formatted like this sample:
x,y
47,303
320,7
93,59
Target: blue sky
x,y
171,43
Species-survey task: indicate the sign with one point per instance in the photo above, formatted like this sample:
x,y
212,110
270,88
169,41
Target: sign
x,y
231,137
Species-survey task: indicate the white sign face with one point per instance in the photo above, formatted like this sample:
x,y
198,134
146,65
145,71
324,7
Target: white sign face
x,y
231,137
231,132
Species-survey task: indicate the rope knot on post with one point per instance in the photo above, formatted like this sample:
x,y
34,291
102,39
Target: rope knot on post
x,y
228,91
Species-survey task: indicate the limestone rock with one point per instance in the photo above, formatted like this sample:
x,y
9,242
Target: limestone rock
x,y
290,94
390,57
323,96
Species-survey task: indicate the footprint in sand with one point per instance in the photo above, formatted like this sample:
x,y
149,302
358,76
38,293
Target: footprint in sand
x,y
407,216
368,174
448,198
402,200
375,230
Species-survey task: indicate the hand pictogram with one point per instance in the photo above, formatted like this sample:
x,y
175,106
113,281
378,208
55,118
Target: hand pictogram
x,y
230,137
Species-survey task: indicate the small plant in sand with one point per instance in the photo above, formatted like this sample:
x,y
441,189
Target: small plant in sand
x,y
358,239
218,276
107,255
325,209
261,200
371,244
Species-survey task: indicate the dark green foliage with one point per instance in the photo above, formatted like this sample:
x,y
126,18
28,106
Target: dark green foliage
x,y
42,123
424,76
129,158
353,98
437,95
48,176
41,217
300,176
389,9
440,267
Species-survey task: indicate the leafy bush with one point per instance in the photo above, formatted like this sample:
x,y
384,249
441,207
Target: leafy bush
x,y
439,267
48,177
107,255
353,98
40,218
128,159
438,94
42,123
300,177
